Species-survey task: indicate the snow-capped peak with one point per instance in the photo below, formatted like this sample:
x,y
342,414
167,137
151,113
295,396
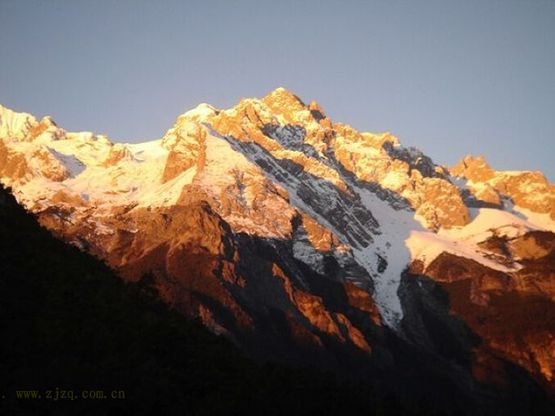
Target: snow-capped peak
x,y
200,112
265,162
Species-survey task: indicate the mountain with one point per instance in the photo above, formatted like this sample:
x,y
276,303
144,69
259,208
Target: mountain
x,y
68,325
305,241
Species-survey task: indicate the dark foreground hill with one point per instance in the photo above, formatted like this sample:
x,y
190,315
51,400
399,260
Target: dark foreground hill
x,y
70,328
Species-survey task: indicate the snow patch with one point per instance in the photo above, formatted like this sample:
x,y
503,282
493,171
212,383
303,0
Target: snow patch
x,y
539,221
463,241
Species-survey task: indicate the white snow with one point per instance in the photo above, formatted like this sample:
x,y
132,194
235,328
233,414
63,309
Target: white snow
x,y
201,112
221,160
390,245
426,246
83,146
539,221
485,221
463,241
14,125
135,180
147,150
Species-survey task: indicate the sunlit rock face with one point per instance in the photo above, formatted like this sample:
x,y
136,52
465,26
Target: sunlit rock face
x,y
528,190
513,312
303,239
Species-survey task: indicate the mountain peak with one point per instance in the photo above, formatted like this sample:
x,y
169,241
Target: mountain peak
x,y
283,97
282,91
201,111
314,221
48,121
475,168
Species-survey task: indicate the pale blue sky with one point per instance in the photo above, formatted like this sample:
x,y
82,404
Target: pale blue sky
x,y
450,77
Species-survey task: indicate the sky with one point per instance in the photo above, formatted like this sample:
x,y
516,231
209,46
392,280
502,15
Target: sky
x,y
449,77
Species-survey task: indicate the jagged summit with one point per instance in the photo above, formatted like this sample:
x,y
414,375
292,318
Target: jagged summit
x,y
474,168
269,207
281,97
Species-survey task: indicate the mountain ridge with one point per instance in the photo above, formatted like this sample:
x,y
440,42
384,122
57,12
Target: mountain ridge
x,y
286,214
